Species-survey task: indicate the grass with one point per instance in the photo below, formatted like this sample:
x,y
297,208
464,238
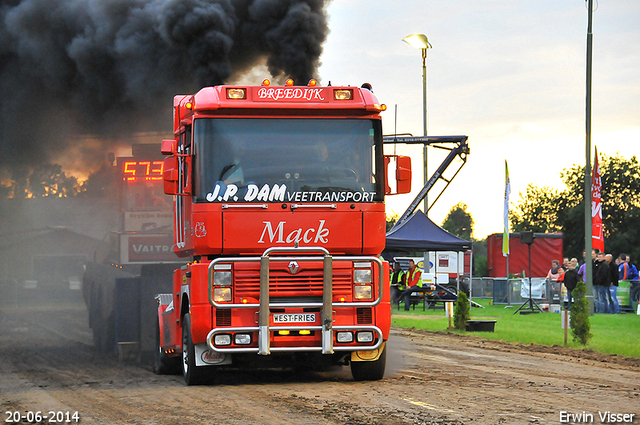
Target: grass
x,y
612,333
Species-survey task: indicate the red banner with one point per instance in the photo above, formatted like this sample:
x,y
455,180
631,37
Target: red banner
x,y
596,207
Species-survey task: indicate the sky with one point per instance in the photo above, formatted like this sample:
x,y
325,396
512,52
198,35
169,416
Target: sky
x,y
509,74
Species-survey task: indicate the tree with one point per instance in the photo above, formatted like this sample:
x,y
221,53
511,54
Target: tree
x,y
538,210
459,222
580,325
392,220
543,209
102,183
462,313
50,180
45,180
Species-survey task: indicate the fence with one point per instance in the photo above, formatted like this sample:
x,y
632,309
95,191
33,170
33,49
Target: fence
x,y
515,291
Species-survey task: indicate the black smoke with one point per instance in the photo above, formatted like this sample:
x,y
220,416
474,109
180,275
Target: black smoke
x,y
111,67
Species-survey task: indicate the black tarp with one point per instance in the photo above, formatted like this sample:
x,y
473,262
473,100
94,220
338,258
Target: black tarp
x,y
419,233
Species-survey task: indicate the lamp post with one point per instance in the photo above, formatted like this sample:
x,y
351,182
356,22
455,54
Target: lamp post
x,y
588,223
420,41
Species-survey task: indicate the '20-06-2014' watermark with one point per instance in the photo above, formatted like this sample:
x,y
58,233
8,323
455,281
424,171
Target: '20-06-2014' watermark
x,y
605,417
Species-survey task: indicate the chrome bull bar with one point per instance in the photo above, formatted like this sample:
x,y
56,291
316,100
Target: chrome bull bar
x,y
265,305
216,331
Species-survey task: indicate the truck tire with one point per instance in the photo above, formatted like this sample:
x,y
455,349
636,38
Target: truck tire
x,y
370,371
192,374
163,364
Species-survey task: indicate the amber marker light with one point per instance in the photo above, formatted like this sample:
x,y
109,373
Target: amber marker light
x,y
188,105
305,332
289,82
266,82
383,107
313,83
284,333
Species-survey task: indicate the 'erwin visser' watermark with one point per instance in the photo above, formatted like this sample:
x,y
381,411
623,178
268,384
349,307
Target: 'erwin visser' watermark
x,y
606,417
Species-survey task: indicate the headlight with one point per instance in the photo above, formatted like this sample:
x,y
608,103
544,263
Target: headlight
x,y
223,339
242,339
222,278
222,294
365,336
362,276
362,292
344,337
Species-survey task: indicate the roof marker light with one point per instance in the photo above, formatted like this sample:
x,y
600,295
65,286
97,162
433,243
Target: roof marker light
x,y
289,82
343,94
236,93
313,83
266,82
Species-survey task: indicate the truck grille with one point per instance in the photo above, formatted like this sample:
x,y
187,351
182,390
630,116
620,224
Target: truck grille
x,y
364,315
283,285
223,317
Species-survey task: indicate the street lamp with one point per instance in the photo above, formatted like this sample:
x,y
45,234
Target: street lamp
x,y
420,41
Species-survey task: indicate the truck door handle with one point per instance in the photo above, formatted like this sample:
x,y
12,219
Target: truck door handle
x,y
294,206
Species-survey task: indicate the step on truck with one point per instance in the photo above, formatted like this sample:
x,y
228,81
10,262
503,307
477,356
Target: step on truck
x,y
279,208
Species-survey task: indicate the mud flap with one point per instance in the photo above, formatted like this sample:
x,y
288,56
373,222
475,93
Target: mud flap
x,y
207,357
368,356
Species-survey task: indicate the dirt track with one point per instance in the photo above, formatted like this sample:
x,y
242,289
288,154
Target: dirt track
x,y
47,364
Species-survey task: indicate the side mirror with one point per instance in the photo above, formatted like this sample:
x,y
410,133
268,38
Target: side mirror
x,y
401,172
169,147
171,173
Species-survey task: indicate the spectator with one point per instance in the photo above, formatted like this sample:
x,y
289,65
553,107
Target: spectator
x,y
629,272
601,282
623,267
582,271
413,283
570,280
634,291
565,264
554,273
397,282
556,287
612,295
574,261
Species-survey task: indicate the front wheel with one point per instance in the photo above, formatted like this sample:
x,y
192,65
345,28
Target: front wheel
x,y
370,371
192,374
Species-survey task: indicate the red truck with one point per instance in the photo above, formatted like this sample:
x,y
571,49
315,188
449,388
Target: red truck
x,y
279,202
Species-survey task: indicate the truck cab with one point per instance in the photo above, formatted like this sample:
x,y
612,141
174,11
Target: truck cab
x,y
279,203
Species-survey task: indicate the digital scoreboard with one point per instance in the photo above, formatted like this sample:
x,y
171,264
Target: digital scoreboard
x,y
142,170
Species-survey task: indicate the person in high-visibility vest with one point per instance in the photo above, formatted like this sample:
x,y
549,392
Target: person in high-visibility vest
x,y
397,282
414,284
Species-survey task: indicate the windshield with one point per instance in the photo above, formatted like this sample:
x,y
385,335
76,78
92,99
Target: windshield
x,y
286,160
